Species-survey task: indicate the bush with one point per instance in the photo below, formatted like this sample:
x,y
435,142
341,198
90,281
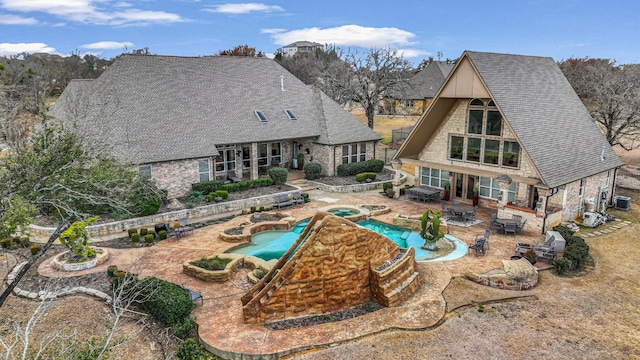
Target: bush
x,y
5,243
191,350
149,238
561,266
259,273
162,234
144,231
387,185
206,187
354,168
278,175
211,264
361,177
221,194
146,197
576,251
185,328
209,197
35,248
135,238
131,232
165,301
312,171
244,185
389,193
196,196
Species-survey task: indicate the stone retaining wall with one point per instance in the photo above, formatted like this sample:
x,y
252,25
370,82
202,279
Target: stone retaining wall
x,y
214,275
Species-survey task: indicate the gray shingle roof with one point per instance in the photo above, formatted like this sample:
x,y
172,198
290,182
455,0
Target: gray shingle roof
x,y
425,84
161,108
548,118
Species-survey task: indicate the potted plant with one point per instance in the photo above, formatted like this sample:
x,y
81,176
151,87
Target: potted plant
x,y
447,190
475,195
300,161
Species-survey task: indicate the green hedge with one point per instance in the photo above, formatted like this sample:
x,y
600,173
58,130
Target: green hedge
x,y
206,187
312,170
361,177
359,167
278,174
576,251
165,301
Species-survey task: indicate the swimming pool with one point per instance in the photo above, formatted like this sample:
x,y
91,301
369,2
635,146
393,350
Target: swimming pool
x,y
268,245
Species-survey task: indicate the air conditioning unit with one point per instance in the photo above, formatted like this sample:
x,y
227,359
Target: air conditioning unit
x,y
622,203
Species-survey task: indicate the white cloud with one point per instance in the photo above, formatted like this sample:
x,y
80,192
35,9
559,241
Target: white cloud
x,y
346,35
16,20
244,8
107,45
91,11
8,49
411,53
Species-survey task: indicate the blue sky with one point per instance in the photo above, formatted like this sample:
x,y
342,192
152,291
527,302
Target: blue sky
x,y
419,29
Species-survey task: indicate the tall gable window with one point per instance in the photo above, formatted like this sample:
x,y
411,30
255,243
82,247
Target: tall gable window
x,y
261,116
483,141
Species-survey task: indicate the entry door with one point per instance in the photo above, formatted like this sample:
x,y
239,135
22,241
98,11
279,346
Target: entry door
x,y
463,187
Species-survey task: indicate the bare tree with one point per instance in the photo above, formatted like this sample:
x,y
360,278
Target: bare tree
x,y
612,95
367,78
242,50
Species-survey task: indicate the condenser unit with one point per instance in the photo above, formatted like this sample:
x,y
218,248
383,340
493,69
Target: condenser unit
x,y
622,203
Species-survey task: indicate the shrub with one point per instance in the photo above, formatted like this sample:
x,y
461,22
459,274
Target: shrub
x,y
165,301
561,266
206,187
253,209
146,197
259,273
261,208
131,232
389,193
190,350
387,185
135,238
162,234
196,196
278,175
185,329
221,194
244,185
209,197
35,248
353,168
211,264
144,231
361,177
5,243
576,251
312,171
149,238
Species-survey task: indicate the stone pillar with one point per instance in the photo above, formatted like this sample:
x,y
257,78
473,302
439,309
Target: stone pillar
x,y
254,161
503,182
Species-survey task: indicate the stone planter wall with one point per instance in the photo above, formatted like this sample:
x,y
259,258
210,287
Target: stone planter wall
x,y
249,230
215,275
354,188
396,283
59,263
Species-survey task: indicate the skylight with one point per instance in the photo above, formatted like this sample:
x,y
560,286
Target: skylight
x,y
260,115
290,114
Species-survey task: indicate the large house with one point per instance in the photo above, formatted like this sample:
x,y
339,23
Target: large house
x,y
183,120
301,47
512,128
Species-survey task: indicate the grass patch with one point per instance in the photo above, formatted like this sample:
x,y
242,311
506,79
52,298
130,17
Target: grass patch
x,y
211,264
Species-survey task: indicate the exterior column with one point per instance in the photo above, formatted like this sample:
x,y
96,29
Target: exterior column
x,y
503,182
396,164
254,161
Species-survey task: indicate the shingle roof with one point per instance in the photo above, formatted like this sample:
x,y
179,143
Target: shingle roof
x,y
303,44
425,84
548,118
161,108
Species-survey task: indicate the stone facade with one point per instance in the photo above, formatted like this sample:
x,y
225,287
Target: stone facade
x,y
175,176
332,270
572,202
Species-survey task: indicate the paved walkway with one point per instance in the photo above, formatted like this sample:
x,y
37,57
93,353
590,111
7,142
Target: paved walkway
x,y
220,318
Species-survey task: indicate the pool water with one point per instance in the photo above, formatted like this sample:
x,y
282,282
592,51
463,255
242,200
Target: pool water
x,y
268,245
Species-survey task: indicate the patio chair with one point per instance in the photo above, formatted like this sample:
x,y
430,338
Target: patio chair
x,y
442,206
520,227
494,217
479,247
184,226
517,218
487,233
510,228
468,216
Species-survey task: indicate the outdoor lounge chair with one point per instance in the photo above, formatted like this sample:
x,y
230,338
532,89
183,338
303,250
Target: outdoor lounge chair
x,y
479,247
510,228
487,233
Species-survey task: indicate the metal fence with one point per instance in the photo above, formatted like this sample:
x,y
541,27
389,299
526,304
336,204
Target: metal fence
x,y
398,135
385,154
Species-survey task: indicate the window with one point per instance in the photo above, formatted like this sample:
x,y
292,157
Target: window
x,y
261,116
494,123
145,171
510,154
433,177
290,114
204,170
491,151
263,154
456,144
276,154
226,161
473,149
474,125
489,188
354,153
583,182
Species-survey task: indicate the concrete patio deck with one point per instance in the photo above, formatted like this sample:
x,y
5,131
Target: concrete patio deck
x,y
222,329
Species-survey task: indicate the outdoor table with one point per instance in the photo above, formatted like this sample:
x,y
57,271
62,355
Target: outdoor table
x,y
459,211
504,222
423,193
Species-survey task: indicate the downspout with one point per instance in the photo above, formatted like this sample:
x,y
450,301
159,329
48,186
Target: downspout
x,y
613,186
334,161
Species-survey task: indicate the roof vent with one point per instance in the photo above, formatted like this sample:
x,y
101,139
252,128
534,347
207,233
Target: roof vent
x,y
281,82
602,156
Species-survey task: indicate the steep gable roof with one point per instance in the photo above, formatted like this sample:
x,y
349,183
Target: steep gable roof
x,y
543,110
162,108
425,84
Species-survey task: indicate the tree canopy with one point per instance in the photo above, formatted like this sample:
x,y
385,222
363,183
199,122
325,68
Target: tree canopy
x,y
242,50
611,93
